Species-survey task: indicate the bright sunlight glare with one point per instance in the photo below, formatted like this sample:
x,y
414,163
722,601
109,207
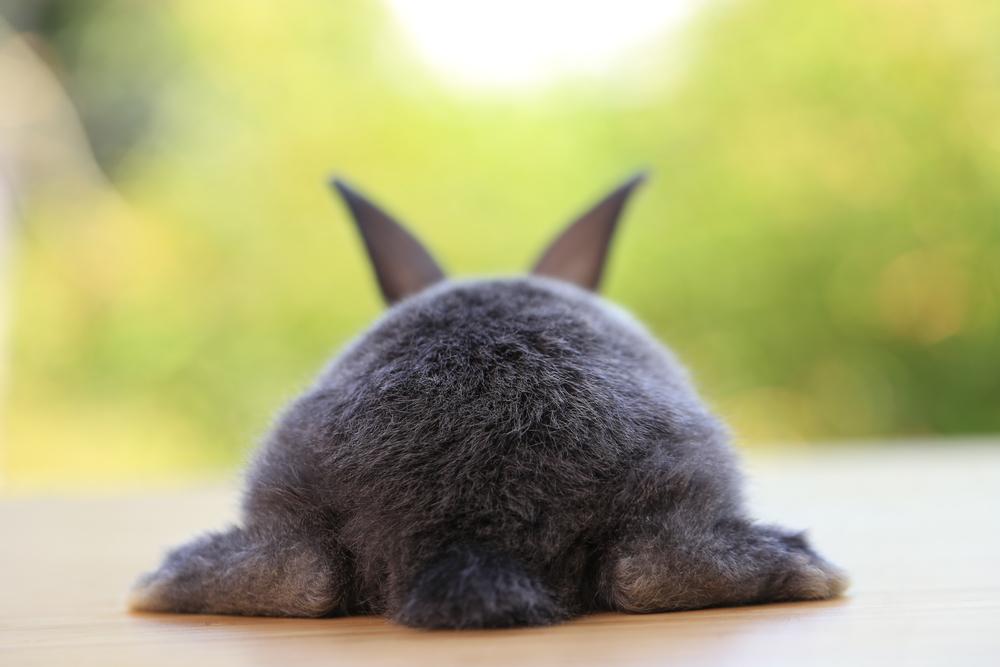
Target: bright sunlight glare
x,y
530,42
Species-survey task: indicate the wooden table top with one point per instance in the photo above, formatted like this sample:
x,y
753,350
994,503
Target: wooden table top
x,y
916,525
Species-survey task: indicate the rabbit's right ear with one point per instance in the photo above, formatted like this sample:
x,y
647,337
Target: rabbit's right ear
x,y
579,253
402,265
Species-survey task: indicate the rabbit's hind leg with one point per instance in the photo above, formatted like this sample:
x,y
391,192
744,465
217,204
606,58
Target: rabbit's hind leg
x,y
251,573
662,567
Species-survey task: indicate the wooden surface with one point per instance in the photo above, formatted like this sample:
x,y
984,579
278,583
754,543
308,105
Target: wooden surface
x,y
916,525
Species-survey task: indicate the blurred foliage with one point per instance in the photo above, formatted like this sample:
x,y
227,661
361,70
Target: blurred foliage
x,y
820,241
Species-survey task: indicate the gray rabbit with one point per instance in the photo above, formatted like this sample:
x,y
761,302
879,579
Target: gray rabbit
x,y
492,453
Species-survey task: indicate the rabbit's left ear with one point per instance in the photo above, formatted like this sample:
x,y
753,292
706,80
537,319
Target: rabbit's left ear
x,y
402,265
578,254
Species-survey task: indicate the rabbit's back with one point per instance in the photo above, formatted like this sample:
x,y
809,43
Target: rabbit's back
x,y
483,378
502,411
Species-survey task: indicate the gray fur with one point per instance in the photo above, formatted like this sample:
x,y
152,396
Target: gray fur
x,y
493,453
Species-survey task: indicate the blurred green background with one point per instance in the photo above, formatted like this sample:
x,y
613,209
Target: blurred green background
x,y
820,240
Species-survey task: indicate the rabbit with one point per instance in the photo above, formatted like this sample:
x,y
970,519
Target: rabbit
x,y
492,453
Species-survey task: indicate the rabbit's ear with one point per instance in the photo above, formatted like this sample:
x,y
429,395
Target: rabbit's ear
x,y
402,265
579,253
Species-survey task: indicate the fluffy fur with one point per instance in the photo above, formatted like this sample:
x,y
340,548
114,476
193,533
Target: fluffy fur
x,y
493,453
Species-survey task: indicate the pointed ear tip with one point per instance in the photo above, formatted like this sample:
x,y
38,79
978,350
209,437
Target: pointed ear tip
x,y
336,182
638,178
351,197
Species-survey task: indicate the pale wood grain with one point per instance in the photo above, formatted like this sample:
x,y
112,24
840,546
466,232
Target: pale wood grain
x,y
915,525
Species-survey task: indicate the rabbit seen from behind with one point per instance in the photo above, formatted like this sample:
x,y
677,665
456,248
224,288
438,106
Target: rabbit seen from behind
x,y
492,453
